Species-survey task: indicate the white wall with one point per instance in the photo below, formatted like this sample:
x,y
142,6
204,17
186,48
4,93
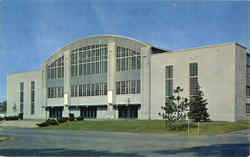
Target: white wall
x,y
13,94
216,76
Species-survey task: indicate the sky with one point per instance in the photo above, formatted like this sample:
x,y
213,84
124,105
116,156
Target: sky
x,y
32,30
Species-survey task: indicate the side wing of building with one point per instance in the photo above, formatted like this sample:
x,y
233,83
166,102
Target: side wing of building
x,y
219,70
24,95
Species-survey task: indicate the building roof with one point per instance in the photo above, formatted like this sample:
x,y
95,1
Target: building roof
x,y
77,42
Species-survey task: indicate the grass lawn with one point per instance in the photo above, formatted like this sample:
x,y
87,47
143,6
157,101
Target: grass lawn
x,y
2,138
150,126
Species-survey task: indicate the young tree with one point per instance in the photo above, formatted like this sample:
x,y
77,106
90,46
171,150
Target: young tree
x,y
198,107
174,108
3,106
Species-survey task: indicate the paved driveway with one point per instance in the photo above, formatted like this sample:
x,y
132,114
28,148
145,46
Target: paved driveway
x,y
35,142
20,123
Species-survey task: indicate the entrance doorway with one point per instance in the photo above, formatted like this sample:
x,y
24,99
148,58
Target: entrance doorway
x,y
55,112
130,112
88,112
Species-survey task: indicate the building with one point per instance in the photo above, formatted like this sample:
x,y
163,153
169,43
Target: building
x,y
112,77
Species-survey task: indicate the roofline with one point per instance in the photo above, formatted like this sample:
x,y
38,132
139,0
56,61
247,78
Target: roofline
x,y
103,35
208,46
15,73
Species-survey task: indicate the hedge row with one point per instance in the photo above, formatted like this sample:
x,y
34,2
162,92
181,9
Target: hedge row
x,y
9,118
58,121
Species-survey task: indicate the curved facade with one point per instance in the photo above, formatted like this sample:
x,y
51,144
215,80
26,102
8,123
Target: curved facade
x,y
115,77
99,77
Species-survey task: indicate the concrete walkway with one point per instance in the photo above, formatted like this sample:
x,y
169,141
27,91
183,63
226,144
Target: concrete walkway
x,y
20,123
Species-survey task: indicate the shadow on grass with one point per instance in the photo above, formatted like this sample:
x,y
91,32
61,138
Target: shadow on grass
x,y
218,150
63,152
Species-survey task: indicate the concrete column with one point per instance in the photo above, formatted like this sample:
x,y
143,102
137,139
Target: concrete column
x,y
44,92
67,83
111,79
145,111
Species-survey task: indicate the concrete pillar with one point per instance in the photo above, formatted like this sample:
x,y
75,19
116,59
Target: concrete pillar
x,y
145,111
67,83
44,113
111,79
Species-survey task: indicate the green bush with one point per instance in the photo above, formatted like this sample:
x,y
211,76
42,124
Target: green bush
x,y
52,122
182,126
80,118
1,118
62,119
11,118
43,124
71,117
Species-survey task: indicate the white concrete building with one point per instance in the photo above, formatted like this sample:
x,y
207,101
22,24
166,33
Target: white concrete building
x,y
111,77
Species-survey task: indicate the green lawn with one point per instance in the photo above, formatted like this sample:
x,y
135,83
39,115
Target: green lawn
x,y
2,138
150,126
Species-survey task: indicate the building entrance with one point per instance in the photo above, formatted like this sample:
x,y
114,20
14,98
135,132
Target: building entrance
x,y
130,112
88,112
55,112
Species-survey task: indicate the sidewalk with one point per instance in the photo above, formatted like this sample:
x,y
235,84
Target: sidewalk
x,y
20,123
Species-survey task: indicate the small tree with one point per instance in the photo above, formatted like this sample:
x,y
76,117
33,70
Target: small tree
x,y
174,108
198,107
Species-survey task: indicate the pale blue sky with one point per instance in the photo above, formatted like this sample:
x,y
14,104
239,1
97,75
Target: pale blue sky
x,y
32,30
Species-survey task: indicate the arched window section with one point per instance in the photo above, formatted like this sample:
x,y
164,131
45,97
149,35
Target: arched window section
x,y
55,70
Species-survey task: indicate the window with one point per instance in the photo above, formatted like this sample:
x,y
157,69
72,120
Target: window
x,y
248,77
193,80
93,89
247,108
55,70
128,87
55,92
92,60
169,81
127,59
32,97
248,91
21,96
74,63
60,92
74,91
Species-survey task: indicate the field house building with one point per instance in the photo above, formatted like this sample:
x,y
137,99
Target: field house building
x,y
116,77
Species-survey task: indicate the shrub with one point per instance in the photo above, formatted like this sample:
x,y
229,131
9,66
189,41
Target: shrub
x,y
20,116
62,120
80,118
182,126
52,122
11,118
71,117
43,124
1,118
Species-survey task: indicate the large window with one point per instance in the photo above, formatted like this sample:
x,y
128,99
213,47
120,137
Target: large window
x,y
32,111
248,91
89,60
127,59
247,108
90,89
169,81
193,78
55,92
21,96
55,70
128,87
248,77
